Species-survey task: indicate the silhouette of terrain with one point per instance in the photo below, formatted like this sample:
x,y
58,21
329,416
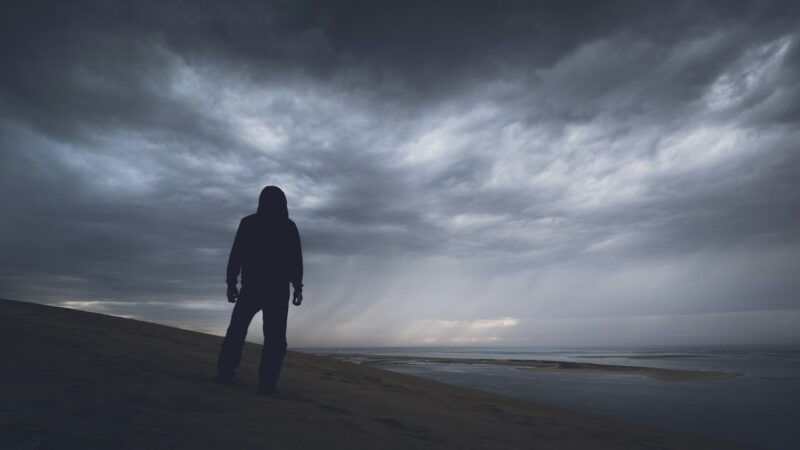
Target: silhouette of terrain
x,y
73,379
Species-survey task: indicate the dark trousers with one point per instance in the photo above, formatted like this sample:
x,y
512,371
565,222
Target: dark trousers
x,y
274,304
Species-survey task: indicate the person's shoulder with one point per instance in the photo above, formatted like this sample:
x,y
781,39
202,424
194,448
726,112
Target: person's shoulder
x,y
249,219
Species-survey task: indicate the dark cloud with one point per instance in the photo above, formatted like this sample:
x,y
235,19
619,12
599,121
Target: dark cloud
x,y
446,161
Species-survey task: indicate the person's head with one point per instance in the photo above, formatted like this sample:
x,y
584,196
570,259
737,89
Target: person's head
x,y
272,203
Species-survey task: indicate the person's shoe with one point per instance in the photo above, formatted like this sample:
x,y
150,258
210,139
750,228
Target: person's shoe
x,y
267,389
226,380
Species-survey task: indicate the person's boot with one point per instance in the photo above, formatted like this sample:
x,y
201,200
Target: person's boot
x,y
267,389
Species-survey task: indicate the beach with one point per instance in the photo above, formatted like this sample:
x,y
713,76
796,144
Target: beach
x,y
74,379
742,393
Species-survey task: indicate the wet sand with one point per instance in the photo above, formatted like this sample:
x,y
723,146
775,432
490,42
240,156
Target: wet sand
x,y
72,379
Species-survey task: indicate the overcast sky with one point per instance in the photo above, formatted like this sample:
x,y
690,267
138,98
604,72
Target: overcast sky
x,y
461,173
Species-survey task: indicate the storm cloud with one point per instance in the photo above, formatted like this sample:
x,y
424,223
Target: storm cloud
x,y
461,172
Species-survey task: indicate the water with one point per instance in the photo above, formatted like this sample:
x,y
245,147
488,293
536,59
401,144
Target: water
x,y
760,407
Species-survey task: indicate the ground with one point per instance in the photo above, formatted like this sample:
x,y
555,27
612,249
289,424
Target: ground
x,y
73,379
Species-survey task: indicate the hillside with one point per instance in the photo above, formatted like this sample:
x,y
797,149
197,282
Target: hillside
x,y
73,379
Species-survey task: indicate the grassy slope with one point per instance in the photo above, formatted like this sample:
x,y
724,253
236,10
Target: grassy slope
x,y
72,379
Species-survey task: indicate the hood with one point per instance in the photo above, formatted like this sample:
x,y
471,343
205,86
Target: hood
x,y
272,204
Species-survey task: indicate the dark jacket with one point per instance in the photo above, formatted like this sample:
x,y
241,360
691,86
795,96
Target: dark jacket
x,y
267,252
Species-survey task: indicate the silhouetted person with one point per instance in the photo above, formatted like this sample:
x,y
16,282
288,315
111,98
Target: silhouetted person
x,y
267,252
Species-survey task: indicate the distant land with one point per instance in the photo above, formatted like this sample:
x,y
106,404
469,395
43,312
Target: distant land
x,y
74,379
544,365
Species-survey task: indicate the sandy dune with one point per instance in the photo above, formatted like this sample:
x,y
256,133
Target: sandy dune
x,y
72,379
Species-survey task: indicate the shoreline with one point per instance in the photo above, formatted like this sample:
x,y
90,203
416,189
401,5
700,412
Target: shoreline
x,y
539,365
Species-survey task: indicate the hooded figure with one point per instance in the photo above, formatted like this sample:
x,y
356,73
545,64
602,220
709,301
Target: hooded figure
x,y
267,253
272,204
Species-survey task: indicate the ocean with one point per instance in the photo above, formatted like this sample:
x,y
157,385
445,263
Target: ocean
x,y
760,407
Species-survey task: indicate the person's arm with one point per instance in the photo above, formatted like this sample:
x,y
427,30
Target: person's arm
x,y
296,271
234,266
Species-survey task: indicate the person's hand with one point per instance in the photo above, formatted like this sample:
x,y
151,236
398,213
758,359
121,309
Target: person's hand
x,y
233,294
298,297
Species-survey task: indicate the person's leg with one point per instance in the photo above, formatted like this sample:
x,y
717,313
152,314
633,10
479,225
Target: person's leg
x,y
230,354
275,312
